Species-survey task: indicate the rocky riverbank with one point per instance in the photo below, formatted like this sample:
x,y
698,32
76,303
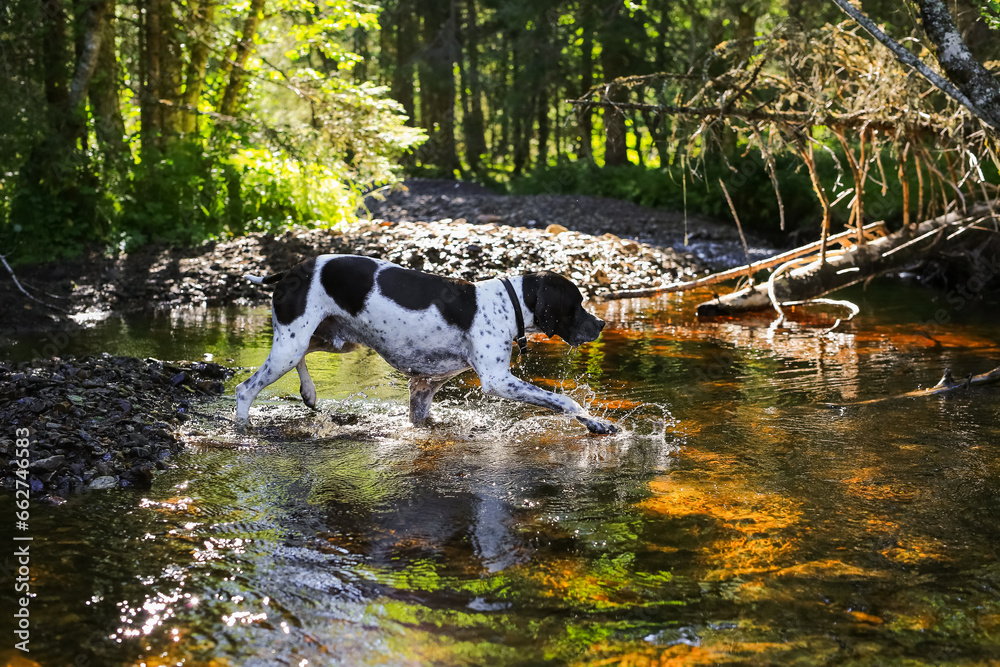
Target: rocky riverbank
x,y
96,422
213,274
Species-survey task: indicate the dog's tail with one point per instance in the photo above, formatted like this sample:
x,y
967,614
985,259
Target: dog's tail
x,y
266,280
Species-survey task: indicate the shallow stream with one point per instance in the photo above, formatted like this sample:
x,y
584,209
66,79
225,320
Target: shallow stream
x,y
745,513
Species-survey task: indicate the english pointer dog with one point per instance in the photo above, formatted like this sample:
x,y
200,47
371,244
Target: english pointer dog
x,y
428,327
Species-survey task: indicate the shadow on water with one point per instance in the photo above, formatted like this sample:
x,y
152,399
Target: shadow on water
x,y
737,518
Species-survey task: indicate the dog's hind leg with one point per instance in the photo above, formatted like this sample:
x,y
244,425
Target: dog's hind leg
x,y
306,385
286,353
422,392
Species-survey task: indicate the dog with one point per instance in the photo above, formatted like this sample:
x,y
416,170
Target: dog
x,y
428,327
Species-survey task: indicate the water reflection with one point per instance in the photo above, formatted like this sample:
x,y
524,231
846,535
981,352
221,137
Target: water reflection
x,y
745,514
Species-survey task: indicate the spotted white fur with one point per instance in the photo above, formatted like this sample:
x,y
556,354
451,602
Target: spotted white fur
x,y
422,344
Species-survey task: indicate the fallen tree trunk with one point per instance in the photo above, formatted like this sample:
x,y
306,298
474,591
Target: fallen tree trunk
x,y
845,268
871,231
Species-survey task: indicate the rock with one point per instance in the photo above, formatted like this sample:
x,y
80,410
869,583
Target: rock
x,y
36,405
555,230
630,247
101,483
47,464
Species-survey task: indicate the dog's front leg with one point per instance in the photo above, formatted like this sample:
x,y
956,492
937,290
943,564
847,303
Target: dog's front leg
x,y
508,386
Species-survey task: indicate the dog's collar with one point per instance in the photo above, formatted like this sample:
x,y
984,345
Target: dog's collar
x,y
522,341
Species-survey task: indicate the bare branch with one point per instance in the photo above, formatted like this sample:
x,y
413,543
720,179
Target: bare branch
x,y
907,58
17,282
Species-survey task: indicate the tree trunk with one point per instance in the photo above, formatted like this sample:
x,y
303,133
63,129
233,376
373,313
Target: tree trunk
x,y
542,110
236,65
54,62
402,74
586,81
202,16
518,103
615,63
91,19
521,134
958,63
746,24
108,122
474,126
149,97
361,48
501,105
171,65
437,84
855,265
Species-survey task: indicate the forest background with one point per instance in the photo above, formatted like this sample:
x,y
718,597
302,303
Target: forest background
x,y
177,121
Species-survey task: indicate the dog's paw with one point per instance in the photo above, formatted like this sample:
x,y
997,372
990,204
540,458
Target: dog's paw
x,y
308,396
242,425
598,426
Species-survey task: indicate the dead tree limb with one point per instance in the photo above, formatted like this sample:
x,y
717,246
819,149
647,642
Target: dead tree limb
x,y
907,58
842,269
17,283
854,120
870,231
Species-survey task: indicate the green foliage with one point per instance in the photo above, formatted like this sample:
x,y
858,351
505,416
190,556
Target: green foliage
x,y
302,145
990,10
53,207
278,191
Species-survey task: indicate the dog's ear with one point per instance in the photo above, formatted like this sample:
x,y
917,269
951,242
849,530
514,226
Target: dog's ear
x,y
553,300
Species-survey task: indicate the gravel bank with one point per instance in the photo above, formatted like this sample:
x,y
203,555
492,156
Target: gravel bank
x,y
456,229
97,422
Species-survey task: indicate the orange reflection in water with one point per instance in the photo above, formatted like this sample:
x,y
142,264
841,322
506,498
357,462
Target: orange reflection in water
x,y
750,529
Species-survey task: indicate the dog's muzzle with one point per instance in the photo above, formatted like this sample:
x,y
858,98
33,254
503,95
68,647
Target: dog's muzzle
x,y
587,329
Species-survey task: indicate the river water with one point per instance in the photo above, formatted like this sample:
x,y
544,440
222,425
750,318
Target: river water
x,y
746,513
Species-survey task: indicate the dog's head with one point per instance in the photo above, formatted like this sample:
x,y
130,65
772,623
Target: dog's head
x,y
555,302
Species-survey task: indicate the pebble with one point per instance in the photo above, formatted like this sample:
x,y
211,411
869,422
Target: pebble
x,y
105,482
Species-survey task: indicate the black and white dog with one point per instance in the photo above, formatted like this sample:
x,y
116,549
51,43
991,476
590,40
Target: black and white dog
x,y
428,327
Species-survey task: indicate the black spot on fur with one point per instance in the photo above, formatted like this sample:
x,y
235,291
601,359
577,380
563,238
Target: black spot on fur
x,y
348,280
414,290
289,299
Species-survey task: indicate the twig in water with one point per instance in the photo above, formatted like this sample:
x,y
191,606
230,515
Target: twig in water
x,y
830,302
17,282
